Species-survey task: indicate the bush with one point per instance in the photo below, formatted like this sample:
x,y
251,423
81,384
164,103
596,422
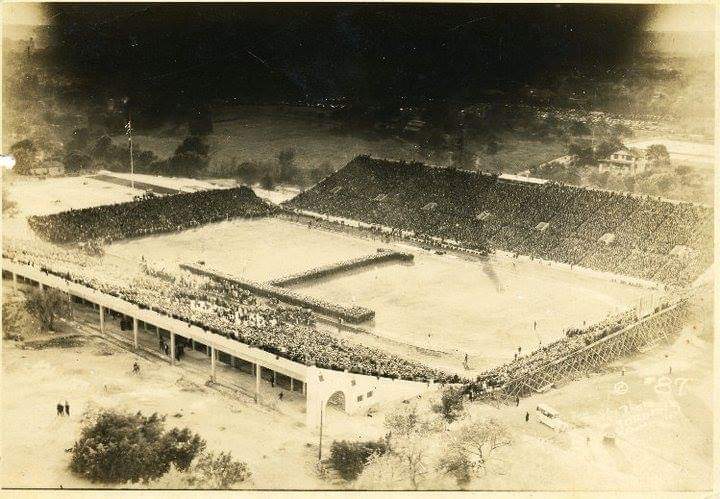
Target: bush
x,y
349,458
17,323
117,448
451,404
217,472
47,305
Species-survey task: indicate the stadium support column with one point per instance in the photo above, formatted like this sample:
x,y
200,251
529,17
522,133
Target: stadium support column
x,y
102,319
292,384
172,347
135,332
212,361
257,381
14,281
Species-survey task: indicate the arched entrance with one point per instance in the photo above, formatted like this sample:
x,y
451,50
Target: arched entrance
x,y
337,401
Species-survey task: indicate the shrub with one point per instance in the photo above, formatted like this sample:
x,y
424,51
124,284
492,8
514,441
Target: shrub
x,y
451,404
217,472
349,458
48,305
17,322
117,448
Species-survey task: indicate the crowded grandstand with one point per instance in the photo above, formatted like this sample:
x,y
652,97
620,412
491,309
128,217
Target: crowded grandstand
x,y
643,237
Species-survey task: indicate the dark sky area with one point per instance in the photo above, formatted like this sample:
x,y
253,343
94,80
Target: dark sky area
x,y
366,52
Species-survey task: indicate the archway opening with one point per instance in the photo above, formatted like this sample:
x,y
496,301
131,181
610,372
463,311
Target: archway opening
x,y
337,401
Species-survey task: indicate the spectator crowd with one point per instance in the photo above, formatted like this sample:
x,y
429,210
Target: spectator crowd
x,y
603,230
150,215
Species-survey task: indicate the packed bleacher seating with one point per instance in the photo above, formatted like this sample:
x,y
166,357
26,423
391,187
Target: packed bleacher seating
x,y
222,309
150,215
475,210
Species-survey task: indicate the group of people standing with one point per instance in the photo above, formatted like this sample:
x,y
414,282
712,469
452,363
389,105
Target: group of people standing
x,y
63,409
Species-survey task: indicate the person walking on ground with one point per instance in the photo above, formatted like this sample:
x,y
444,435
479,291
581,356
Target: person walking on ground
x,y
517,402
136,368
67,408
527,417
60,409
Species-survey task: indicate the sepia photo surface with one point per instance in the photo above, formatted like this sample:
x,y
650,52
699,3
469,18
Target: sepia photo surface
x,y
358,247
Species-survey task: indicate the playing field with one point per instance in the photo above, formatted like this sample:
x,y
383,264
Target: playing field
x,y
441,302
484,309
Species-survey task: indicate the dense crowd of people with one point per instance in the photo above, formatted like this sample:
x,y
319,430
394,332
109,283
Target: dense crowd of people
x,y
152,215
351,313
234,313
476,210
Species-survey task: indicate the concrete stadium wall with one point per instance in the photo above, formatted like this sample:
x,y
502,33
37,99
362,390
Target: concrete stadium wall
x,y
360,392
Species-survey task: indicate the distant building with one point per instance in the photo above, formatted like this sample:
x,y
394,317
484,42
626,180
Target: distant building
x,y
624,162
49,168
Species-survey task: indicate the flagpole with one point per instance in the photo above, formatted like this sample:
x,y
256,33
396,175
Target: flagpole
x,y
132,166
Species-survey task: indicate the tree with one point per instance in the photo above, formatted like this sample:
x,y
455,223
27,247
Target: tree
x,y
629,184
249,172
118,447
193,144
201,122
287,171
76,161
682,170
268,182
99,150
469,447
185,164
583,151
598,179
319,173
349,458
451,404
79,140
606,147
9,207
16,321
658,154
47,306
579,129
25,154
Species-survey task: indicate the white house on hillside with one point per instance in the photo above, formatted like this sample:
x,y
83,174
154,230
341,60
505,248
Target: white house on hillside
x,y
625,162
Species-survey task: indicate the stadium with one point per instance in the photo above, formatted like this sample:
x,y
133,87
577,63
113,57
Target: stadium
x,y
383,281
